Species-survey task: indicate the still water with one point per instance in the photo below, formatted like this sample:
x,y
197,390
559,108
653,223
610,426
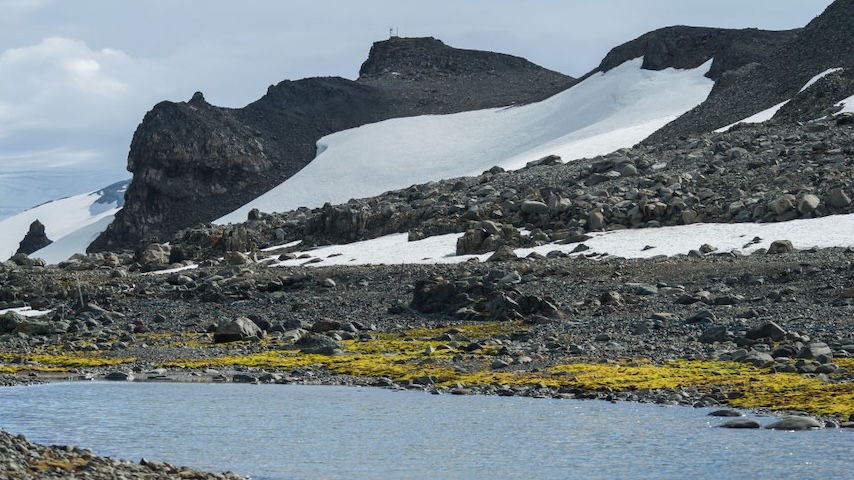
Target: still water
x,y
309,432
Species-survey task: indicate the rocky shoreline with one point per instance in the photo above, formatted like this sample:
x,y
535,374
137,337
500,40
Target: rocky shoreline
x,y
771,331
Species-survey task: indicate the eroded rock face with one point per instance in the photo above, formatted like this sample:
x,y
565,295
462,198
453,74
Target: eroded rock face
x,y
689,47
185,158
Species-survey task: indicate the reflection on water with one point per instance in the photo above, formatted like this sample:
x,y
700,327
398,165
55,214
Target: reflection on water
x,y
294,432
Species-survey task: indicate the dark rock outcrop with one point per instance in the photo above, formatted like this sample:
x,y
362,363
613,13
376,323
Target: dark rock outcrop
x,y
193,162
34,240
823,44
689,47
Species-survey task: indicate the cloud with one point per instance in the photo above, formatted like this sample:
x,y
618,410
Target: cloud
x,y
61,83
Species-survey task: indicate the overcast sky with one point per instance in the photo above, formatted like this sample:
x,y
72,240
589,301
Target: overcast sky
x,y
76,77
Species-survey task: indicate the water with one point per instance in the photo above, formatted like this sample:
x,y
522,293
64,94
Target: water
x,y
307,432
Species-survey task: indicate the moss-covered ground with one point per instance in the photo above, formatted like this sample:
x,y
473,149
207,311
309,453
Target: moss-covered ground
x,y
410,354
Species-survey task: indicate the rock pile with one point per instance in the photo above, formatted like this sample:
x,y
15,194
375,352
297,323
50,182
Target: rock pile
x,y
23,459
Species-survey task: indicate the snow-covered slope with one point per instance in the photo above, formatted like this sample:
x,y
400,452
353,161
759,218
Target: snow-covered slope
x,y
823,232
72,223
605,112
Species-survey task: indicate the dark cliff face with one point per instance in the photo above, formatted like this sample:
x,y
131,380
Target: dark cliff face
x,y
823,44
425,75
689,47
193,162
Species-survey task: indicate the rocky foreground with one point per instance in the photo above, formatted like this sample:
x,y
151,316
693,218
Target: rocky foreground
x,y
771,331
21,459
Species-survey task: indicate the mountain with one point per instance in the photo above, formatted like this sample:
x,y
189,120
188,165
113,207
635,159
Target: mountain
x,y
194,162
825,43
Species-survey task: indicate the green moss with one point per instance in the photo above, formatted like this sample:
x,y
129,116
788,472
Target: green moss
x,y
402,356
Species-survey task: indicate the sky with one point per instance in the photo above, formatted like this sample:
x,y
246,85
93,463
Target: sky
x,y
77,77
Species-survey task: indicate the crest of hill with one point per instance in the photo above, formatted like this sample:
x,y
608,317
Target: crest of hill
x,y
424,72
825,43
193,162
685,47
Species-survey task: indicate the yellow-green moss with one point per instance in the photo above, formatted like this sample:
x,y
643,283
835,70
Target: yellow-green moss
x,y
402,356
62,362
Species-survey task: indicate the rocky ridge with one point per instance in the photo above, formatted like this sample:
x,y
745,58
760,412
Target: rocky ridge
x,y
822,45
769,172
194,162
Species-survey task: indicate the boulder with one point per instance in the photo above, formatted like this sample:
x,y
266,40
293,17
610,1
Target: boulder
x,y
533,207
741,423
9,321
795,423
780,246
767,330
314,343
34,326
240,329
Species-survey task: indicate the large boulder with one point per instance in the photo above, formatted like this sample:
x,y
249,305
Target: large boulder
x,y
9,321
241,328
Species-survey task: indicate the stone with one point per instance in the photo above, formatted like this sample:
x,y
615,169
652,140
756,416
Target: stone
x,y
808,203
503,254
780,246
758,359
9,321
837,198
319,344
596,221
767,330
713,334
795,423
34,326
241,328
533,207
815,350
741,423
728,412
119,376
154,257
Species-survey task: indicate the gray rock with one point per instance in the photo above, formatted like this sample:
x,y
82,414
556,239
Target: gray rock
x,y
808,203
780,246
119,376
795,423
34,326
503,254
767,330
815,350
240,329
728,412
758,359
533,207
319,344
741,423
717,333
837,198
9,321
